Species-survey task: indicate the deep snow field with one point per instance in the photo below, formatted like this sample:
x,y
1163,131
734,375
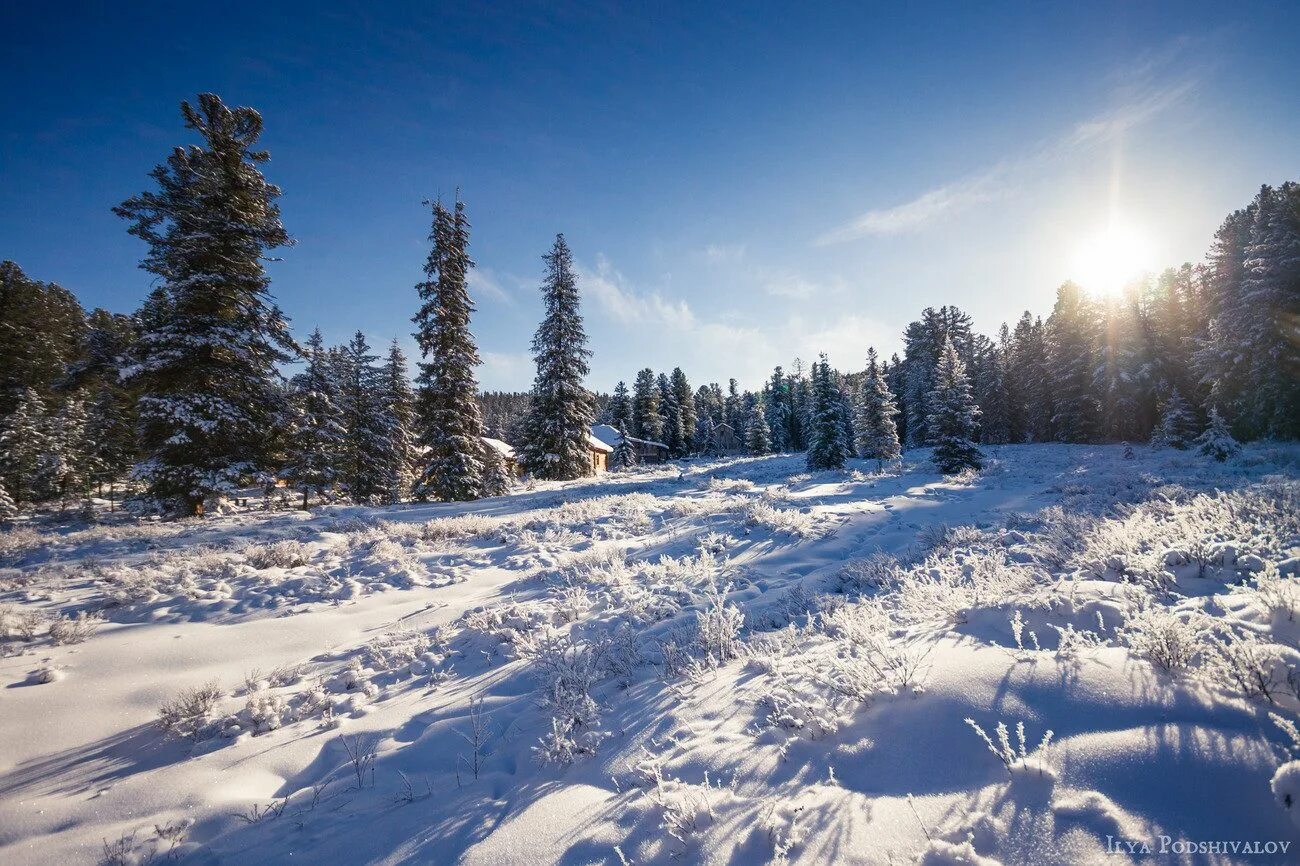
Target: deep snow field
x,y
726,662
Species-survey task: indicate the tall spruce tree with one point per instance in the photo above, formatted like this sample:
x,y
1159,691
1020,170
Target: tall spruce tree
x,y
317,444
953,417
1071,341
624,456
670,411
620,408
1177,427
206,364
365,427
647,423
23,440
826,448
451,426
399,425
877,434
758,435
685,400
559,423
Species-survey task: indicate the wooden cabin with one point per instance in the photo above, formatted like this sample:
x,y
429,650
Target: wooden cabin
x,y
647,451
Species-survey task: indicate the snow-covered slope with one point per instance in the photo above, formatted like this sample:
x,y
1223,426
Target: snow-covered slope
x,y
734,662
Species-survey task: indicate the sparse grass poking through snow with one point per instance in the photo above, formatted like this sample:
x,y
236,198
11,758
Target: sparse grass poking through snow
x,y
189,715
74,629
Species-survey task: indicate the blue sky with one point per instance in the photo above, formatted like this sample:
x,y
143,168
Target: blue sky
x,y
739,186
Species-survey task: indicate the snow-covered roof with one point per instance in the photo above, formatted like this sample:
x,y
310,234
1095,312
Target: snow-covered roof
x,y
597,445
500,447
609,435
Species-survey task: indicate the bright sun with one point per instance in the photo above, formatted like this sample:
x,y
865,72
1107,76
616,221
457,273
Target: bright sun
x,y
1112,258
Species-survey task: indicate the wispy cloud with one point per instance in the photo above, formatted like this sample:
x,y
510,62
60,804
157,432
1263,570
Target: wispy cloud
x,y
624,304
483,283
1140,100
725,253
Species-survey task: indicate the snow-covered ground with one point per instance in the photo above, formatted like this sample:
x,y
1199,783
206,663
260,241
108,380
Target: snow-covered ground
x,y
732,662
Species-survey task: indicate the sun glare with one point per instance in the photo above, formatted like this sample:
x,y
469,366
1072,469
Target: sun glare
x,y
1109,260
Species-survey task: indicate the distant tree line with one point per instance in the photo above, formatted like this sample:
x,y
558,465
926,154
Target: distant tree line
x,y
189,396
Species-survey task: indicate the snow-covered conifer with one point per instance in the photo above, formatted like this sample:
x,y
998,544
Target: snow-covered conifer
x,y
316,446
758,435
624,456
826,448
877,434
496,474
620,407
647,423
8,508
23,440
398,403
1177,427
559,422
206,361
451,426
1216,441
61,470
953,415
685,400
364,424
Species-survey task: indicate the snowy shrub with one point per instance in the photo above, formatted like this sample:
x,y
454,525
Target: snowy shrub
x,y
718,625
684,808
1072,642
806,712
189,715
19,622
1168,640
873,572
1238,660
1279,595
730,485
942,538
1012,758
1061,536
278,554
944,587
567,670
461,526
874,660
266,712
789,521
70,630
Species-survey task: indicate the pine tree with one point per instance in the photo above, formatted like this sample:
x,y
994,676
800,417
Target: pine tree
x,y
758,435
620,408
8,508
953,416
451,425
317,443
61,467
364,424
647,423
624,456
670,412
776,400
398,403
1252,361
496,475
206,363
826,449
1070,342
877,435
1177,427
42,332
559,424
681,391
23,441
1216,441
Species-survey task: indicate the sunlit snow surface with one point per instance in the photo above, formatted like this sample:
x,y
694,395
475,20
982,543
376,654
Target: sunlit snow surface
x,y
756,679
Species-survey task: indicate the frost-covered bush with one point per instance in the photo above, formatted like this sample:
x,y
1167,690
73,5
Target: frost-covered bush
x,y
1013,758
944,587
789,521
1286,789
873,572
22,623
277,554
1061,536
75,629
460,526
266,712
805,711
189,715
718,625
1278,595
1240,661
17,541
1169,640
566,671
875,659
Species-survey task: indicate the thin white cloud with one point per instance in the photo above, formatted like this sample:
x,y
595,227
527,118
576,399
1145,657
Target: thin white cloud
x,y
728,254
483,283
1139,103
624,304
